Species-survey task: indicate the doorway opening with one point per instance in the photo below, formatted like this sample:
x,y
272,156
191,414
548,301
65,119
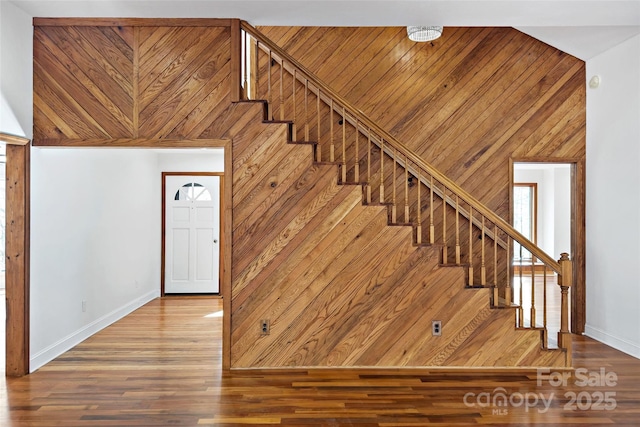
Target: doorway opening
x,y
543,208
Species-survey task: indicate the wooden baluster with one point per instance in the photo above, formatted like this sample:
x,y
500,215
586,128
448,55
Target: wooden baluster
x,y
369,183
483,269
432,229
381,170
419,213
344,145
496,295
544,307
293,96
445,255
471,247
520,297
532,323
281,90
306,112
507,291
319,156
332,149
394,214
269,98
356,170
457,230
406,190
257,73
245,65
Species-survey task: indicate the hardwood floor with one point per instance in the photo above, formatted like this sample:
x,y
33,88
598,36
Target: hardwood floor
x,y
161,366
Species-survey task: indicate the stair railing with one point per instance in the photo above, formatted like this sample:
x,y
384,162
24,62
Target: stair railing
x,y
441,212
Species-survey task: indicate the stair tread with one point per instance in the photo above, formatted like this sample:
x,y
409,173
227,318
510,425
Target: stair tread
x,y
340,182
303,142
429,244
380,204
505,306
401,224
326,163
288,122
256,101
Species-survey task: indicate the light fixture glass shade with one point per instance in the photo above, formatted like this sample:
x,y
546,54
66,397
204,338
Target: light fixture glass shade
x,y
424,33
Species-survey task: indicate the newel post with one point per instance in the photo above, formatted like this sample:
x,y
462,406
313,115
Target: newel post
x,y
565,280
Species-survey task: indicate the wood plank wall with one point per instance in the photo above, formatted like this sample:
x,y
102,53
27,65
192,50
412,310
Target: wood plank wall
x,y
340,287
138,83
467,103
103,82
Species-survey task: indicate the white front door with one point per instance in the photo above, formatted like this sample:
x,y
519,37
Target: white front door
x,y
192,234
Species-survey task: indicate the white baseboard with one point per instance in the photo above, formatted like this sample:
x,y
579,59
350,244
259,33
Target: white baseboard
x,y
43,357
632,349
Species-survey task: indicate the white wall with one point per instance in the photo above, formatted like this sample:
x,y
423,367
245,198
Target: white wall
x,y
16,70
613,198
562,210
195,160
8,121
95,237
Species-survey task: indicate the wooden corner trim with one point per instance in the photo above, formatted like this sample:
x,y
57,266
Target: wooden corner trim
x,y
132,142
13,139
131,22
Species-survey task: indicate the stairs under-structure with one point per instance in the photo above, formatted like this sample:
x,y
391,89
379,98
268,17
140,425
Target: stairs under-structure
x,y
347,247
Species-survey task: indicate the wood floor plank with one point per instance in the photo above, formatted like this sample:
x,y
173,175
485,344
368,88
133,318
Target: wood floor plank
x,y
150,384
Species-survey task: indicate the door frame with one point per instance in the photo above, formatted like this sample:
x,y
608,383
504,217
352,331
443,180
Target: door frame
x,y
164,225
17,255
578,231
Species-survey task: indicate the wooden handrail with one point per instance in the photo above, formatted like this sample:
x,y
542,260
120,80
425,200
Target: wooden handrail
x,y
13,139
423,179
405,151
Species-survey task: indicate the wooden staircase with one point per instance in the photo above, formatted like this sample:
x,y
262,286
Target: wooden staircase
x,y
348,245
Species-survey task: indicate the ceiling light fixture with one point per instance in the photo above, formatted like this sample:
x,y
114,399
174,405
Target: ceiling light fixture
x,y
424,33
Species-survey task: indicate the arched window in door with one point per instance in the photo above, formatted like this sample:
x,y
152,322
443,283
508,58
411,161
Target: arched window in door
x,y
193,192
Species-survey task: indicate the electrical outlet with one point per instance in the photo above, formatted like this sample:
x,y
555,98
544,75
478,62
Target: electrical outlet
x,y
84,306
436,328
264,327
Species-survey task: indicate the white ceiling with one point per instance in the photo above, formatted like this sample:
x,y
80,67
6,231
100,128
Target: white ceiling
x,y
581,28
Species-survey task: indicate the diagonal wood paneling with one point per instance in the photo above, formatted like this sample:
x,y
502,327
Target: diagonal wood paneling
x,y
338,285
465,102
101,82
82,83
183,69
